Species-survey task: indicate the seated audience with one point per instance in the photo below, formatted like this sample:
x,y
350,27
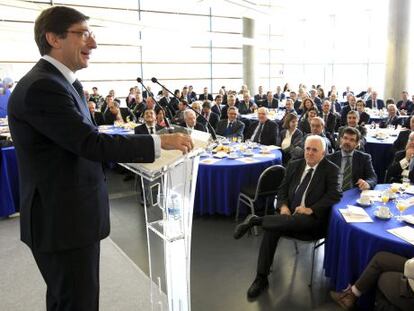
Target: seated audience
x,y
364,117
335,105
290,137
150,126
402,139
246,105
355,166
116,114
96,97
374,102
140,105
175,100
192,94
231,102
96,115
185,96
179,115
365,95
165,102
196,105
296,102
131,98
350,105
307,104
400,166
347,91
393,118
315,99
264,131
231,127
160,117
328,117
304,123
393,277
405,105
279,95
308,191
210,116
190,121
260,98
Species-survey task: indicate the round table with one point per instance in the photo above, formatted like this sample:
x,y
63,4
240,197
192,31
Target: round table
x,y
350,246
381,153
9,182
219,184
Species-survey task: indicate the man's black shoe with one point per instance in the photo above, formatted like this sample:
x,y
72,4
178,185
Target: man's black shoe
x,y
257,287
245,226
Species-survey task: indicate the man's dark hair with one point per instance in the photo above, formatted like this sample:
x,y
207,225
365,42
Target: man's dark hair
x,y
56,19
351,131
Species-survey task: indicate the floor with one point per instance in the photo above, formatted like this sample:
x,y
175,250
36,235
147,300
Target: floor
x,y
222,268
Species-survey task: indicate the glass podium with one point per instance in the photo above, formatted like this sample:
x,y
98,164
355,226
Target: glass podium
x,y
168,187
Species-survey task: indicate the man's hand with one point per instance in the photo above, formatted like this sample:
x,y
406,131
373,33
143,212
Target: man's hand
x,y
177,141
303,210
362,184
409,153
284,210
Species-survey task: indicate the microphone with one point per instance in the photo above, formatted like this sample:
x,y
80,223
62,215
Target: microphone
x,y
167,122
212,131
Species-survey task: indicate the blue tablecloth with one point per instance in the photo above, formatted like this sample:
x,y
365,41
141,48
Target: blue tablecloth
x,y
9,182
219,184
350,246
4,99
381,153
112,129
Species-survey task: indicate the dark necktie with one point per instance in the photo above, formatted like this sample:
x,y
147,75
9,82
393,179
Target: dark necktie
x,y
300,191
374,104
347,177
256,137
151,130
325,116
228,129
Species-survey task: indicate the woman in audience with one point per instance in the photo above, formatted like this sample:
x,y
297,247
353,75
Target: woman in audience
x,y
363,116
160,117
290,136
393,277
306,105
321,93
305,121
400,166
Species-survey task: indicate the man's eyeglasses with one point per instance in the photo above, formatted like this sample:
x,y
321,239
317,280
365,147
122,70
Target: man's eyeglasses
x,y
86,34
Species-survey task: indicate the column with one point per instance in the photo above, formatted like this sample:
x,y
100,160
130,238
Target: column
x,y
249,77
397,48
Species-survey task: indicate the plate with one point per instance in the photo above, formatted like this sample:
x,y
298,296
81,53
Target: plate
x,y
362,204
248,154
383,218
232,157
220,155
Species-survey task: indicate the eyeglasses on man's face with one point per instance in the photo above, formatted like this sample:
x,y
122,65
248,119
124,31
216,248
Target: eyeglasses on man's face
x,y
85,34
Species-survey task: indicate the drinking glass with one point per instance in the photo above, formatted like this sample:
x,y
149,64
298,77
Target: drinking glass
x,y
401,205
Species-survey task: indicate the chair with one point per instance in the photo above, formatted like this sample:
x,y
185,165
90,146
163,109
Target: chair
x,y
316,242
267,186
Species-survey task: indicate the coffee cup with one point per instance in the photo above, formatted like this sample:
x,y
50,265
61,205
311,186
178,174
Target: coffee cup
x,y
365,199
384,211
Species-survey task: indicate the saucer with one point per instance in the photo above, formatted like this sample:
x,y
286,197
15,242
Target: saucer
x,y
248,154
362,204
383,218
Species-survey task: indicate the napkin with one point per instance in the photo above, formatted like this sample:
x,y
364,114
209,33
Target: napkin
x,y
209,161
355,214
406,233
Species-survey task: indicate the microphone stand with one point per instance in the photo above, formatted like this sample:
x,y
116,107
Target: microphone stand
x,y
167,122
212,131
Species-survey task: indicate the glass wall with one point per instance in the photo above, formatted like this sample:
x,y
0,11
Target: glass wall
x,y
199,43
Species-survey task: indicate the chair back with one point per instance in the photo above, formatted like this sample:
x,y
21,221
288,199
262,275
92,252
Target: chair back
x,y
270,180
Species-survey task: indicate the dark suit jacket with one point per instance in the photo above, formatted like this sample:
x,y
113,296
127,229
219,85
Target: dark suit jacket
x,y
409,106
213,120
361,166
394,170
125,113
269,133
344,113
273,104
204,97
380,104
198,126
169,109
401,141
364,118
142,129
63,195
245,108
236,129
330,123
217,110
260,99
98,117
394,121
323,191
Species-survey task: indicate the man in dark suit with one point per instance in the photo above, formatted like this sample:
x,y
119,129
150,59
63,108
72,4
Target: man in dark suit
x,y
355,166
402,139
374,102
150,126
265,131
231,127
210,116
308,191
116,114
316,99
165,102
270,102
216,106
260,98
405,105
96,115
403,159
231,102
64,211
190,121
205,95
347,108
328,117
393,118
246,105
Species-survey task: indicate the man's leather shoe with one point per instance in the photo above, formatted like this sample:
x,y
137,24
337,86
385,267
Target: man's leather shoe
x,y
257,287
245,226
345,299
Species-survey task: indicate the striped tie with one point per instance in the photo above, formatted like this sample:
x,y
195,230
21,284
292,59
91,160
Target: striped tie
x,y
347,178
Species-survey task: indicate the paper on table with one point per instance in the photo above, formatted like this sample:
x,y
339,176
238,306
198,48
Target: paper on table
x,y
406,233
375,195
409,218
264,155
355,214
209,161
247,160
409,190
272,147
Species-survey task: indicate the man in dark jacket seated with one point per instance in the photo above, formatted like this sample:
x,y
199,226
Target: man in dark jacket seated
x,y
265,131
96,115
403,160
190,121
355,166
308,191
150,126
